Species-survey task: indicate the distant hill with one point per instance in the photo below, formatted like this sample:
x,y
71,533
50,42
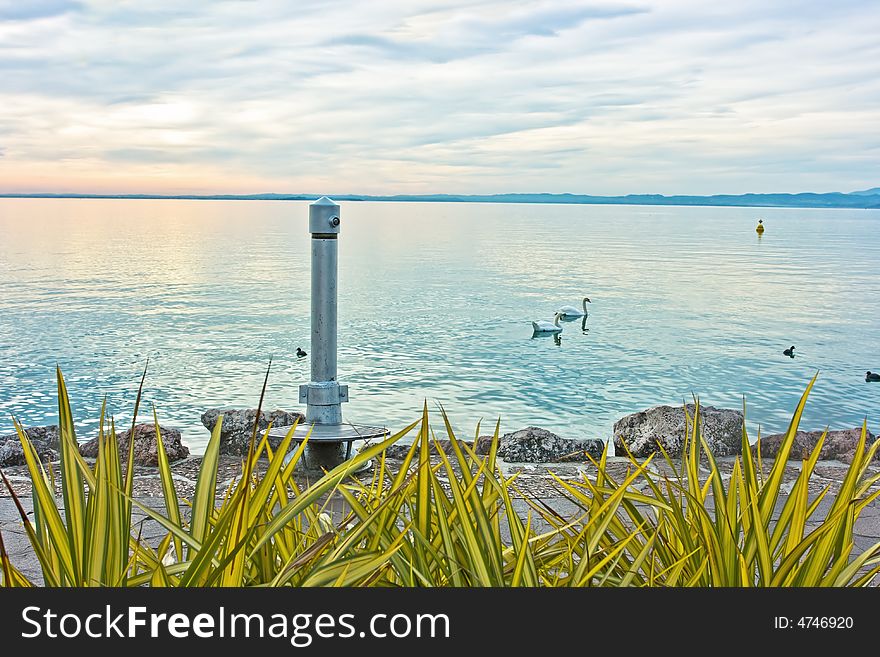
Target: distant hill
x,y
869,198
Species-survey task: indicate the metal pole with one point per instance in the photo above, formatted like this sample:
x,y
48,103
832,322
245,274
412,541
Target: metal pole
x,y
329,439
323,394
325,256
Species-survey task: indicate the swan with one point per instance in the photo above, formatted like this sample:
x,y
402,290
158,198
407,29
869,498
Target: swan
x,y
571,311
543,326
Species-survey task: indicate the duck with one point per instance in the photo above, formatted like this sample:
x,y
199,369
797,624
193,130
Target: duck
x,y
789,352
871,377
300,353
543,326
568,312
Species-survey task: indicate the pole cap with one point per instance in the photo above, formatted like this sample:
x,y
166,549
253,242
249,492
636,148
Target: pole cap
x,y
323,216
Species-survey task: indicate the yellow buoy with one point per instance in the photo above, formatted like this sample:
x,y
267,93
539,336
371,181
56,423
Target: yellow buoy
x,y
760,228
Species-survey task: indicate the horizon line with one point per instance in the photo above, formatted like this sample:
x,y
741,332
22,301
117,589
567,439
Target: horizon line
x,y
865,199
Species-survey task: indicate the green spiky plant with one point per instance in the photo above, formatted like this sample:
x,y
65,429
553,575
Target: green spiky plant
x,y
91,543
265,530
700,531
442,521
451,514
10,576
224,542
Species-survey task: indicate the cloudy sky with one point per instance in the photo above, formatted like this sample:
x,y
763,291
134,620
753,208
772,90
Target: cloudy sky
x,y
456,96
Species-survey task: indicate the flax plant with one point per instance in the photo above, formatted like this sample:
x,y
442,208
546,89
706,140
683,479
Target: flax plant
x,y
452,515
90,543
446,520
697,529
265,530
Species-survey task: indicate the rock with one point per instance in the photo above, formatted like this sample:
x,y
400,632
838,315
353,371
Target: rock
x,y
536,445
484,444
48,436
665,425
145,445
238,426
399,451
838,445
44,439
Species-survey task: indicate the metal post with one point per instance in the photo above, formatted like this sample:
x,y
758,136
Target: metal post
x,y
323,394
324,287
330,439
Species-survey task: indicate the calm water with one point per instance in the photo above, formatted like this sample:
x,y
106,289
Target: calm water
x,y
435,303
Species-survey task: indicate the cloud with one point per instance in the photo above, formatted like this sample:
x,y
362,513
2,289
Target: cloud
x,y
462,96
391,48
20,10
463,36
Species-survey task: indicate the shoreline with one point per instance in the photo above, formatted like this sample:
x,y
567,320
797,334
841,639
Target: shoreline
x,y
633,200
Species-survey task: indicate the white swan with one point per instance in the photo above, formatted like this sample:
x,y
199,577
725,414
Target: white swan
x,y
568,312
543,326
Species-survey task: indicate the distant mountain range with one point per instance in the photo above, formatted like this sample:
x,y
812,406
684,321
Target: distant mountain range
x,y
869,198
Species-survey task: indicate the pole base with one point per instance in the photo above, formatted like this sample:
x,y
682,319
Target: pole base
x,y
329,445
323,457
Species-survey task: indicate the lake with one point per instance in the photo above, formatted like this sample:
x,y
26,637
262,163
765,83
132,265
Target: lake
x,y
435,303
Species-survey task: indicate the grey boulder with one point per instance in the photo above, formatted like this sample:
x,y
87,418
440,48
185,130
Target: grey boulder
x,y
399,451
238,426
644,432
145,445
537,445
838,445
44,439
483,444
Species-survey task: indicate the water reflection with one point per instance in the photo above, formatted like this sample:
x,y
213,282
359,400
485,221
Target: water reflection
x,y
542,334
557,337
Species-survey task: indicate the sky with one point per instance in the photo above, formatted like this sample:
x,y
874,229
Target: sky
x,y
439,96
